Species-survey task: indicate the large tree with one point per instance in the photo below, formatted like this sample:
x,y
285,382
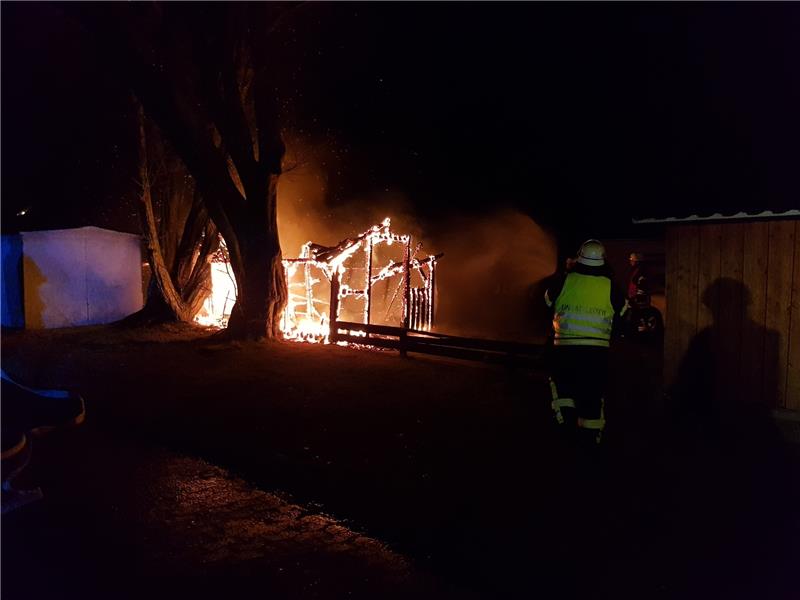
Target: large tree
x,y
179,236
203,73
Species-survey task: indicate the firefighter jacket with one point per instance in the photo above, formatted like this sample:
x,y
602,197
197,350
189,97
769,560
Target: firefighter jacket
x,y
637,280
583,312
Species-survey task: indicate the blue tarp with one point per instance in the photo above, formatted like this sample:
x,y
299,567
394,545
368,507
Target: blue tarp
x,y
13,313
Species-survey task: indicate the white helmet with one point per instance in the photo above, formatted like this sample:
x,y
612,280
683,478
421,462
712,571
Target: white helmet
x,y
592,254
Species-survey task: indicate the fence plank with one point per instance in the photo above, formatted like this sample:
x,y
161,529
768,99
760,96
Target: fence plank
x,y
729,315
672,259
709,272
779,287
687,287
754,276
495,351
793,371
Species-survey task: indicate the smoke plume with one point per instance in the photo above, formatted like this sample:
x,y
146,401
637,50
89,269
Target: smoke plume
x,y
489,280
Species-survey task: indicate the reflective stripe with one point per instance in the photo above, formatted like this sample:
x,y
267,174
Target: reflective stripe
x,y
592,423
566,323
557,403
597,424
567,327
589,319
554,402
581,341
563,403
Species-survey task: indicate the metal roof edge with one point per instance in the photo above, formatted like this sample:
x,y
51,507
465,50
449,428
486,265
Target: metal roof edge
x,y
767,214
84,228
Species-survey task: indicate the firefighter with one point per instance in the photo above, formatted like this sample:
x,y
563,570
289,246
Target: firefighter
x,y
584,305
642,321
637,278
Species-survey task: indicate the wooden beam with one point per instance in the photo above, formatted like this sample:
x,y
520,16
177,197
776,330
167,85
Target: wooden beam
x,y
710,243
368,284
672,260
426,338
407,284
729,319
334,307
686,309
793,370
754,314
779,291
432,293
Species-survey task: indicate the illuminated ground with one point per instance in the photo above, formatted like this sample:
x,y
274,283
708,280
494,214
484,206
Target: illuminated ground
x,y
444,478
133,518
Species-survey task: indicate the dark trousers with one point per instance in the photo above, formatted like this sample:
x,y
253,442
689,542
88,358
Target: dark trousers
x,y
581,373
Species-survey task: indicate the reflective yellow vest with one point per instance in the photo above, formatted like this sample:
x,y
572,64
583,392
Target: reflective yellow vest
x,y
583,311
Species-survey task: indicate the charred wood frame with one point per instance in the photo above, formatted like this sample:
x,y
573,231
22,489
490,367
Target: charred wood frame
x,y
304,317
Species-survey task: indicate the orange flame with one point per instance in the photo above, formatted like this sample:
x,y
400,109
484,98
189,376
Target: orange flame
x,y
303,319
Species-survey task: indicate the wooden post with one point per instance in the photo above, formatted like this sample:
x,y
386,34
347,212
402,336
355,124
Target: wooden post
x,y
368,285
406,296
309,291
432,292
407,284
672,353
422,319
754,316
286,313
793,371
334,307
414,308
779,292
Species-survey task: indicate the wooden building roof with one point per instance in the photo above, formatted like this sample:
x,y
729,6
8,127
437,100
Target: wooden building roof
x,y
735,215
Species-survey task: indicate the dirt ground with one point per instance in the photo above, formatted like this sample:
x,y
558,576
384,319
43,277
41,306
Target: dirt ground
x,y
450,475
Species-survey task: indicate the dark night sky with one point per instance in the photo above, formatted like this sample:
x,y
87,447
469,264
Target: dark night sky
x,y
589,112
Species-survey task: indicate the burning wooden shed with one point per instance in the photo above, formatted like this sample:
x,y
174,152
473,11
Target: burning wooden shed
x,y
733,305
376,277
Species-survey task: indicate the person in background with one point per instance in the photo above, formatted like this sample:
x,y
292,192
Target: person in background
x,y
584,305
637,277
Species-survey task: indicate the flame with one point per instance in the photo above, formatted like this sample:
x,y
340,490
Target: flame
x,y
217,306
304,318
307,330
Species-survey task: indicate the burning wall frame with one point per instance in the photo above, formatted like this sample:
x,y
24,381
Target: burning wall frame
x,y
305,320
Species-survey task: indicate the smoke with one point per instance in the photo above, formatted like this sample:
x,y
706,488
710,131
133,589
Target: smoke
x,y
305,213
489,280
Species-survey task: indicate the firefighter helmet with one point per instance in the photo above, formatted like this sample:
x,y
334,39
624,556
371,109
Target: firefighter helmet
x,y
592,254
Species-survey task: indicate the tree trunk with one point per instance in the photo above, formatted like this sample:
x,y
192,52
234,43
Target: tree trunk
x,y
257,315
257,312
179,241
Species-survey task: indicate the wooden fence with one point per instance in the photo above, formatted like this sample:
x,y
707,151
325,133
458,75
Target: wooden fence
x,y
425,342
740,280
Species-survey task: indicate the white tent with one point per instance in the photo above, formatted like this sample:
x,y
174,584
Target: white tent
x,y
72,277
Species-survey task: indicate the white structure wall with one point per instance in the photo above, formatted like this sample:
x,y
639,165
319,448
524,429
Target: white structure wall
x,y
84,276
